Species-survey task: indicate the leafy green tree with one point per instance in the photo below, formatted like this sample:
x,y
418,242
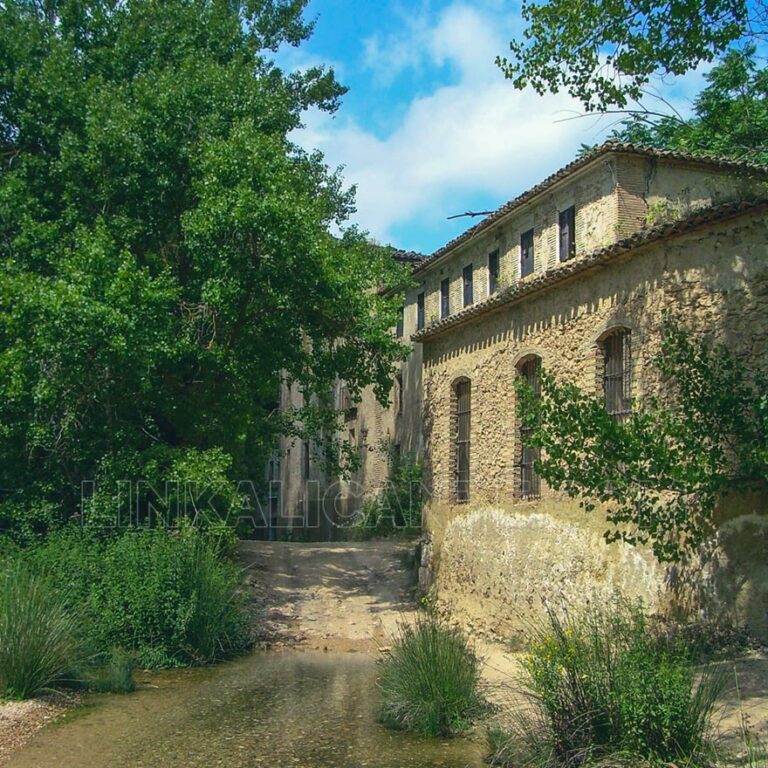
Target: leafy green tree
x,y
660,473
605,53
730,116
167,253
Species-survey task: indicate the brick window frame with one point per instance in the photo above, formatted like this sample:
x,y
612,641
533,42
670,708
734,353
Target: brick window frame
x,y
614,371
527,483
460,465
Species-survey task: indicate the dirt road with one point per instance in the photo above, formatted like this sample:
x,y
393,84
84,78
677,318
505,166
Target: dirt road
x,y
335,596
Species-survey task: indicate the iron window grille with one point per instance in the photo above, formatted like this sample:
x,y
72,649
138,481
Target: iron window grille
x,y
462,447
617,375
530,482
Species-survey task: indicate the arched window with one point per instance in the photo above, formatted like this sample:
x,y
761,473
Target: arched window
x,y
462,430
530,483
617,373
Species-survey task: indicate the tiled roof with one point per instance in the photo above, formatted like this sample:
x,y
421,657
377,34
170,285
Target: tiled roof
x,y
609,147
583,264
408,257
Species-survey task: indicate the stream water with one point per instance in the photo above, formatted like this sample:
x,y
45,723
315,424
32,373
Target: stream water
x,y
303,710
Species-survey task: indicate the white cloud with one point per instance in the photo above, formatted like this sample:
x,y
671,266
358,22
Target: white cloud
x,y
476,137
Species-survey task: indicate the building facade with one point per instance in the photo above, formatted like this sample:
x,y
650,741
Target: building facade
x,y
574,276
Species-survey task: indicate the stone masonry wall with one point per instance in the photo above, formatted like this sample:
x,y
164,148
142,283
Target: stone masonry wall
x,y
716,281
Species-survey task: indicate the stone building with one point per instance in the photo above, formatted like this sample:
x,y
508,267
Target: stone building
x,y
574,275
308,502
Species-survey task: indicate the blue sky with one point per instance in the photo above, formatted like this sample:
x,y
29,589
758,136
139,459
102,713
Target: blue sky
x,y
429,127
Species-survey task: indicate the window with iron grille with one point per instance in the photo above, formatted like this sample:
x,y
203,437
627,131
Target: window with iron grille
x,y
420,311
530,482
468,288
617,374
493,272
463,426
445,297
400,322
526,253
567,226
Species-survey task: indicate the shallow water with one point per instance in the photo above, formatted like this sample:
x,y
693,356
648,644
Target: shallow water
x,y
303,710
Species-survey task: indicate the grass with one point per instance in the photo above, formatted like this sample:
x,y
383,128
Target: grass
x,y
40,637
607,690
114,674
169,598
430,681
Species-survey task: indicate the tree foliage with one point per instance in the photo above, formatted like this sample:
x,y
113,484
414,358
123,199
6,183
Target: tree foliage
x,y
604,54
167,252
661,473
730,116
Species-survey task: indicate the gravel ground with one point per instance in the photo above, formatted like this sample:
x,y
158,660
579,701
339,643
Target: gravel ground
x,y
19,720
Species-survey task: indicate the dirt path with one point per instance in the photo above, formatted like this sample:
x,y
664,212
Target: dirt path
x,y
350,597
334,596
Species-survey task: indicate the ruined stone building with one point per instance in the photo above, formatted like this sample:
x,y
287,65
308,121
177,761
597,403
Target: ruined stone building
x,y
573,275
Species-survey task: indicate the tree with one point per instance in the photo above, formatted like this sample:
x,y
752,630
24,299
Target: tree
x,y
661,473
604,54
167,252
730,116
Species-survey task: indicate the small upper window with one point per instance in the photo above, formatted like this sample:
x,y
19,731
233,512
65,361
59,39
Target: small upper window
x,y
400,322
526,253
567,225
493,272
445,297
468,289
617,374
420,311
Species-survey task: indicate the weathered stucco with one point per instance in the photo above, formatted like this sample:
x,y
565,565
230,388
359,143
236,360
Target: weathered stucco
x,y
497,558
716,282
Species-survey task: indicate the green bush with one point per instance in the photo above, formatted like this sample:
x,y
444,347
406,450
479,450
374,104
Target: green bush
x,y
170,597
40,637
110,673
430,681
397,508
605,686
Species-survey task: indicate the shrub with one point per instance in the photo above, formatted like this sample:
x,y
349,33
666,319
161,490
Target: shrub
x,y
397,508
110,674
39,634
430,681
167,596
606,687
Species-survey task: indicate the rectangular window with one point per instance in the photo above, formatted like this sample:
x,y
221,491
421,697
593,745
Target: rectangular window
x,y
617,375
493,272
526,253
530,483
567,224
445,298
400,322
420,311
463,427
468,289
